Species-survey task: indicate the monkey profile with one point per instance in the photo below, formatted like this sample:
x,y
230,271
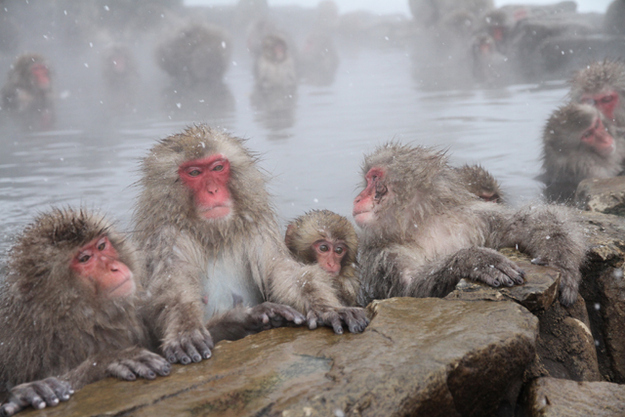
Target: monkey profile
x,y
329,240
68,311
578,144
205,221
423,231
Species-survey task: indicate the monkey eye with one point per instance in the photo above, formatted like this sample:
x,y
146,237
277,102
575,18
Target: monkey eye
x,y
194,172
102,246
607,99
587,134
339,250
324,248
83,257
218,168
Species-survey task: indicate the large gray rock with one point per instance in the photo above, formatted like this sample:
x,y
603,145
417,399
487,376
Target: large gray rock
x,y
605,195
418,357
603,289
550,397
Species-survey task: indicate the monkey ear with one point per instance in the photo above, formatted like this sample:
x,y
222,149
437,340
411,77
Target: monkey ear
x,y
288,237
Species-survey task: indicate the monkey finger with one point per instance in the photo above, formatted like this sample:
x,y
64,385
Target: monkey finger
x,y
10,408
192,352
121,371
139,369
334,320
24,395
46,392
62,389
311,318
156,362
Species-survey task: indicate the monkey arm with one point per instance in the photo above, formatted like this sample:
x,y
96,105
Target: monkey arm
x,y
174,308
552,236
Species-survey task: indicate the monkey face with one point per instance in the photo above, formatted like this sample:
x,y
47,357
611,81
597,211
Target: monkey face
x,y
369,199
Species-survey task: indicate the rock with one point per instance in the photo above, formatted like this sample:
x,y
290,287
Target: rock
x,y
603,289
605,195
550,397
565,346
427,357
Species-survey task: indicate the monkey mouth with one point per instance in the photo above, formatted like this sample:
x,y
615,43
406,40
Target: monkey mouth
x,y
362,217
215,212
125,288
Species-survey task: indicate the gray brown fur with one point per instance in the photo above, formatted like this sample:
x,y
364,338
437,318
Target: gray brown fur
x,y
566,160
316,225
195,54
429,231
599,77
51,325
271,74
180,245
481,183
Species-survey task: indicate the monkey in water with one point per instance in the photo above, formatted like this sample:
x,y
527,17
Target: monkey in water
x,y
423,231
481,183
68,312
27,94
205,221
578,144
329,240
602,85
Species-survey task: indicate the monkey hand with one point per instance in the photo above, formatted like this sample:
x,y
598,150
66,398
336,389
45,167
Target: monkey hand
x,y
354,317
37,394
486,265
269,315
569,280
188,346
138,363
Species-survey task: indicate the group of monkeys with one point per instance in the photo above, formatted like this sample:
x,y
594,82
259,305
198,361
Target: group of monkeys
x,y
206,261
586,138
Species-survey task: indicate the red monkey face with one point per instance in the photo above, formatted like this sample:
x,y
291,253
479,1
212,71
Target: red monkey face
x,y
330,254
597,138
98,266
369,199
207,178
40,76
605,102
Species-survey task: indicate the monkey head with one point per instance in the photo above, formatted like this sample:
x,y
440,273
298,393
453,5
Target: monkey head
x,y
600,84
579,127
402,184
323,237
76,251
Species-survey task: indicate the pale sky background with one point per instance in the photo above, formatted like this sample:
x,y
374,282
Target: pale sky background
x,y
401,6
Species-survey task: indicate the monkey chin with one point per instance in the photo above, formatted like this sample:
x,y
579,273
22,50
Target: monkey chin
x,y
363,218
217,212
124,289
606,151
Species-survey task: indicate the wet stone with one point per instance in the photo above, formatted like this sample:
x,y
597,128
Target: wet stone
x,y
550,397
427,356
606,195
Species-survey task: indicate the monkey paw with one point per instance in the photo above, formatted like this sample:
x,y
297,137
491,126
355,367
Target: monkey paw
x,y
489,266
354,317
139,363
270,315
37,394
188,346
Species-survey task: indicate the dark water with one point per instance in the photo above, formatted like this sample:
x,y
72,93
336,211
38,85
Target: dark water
x,y
313,156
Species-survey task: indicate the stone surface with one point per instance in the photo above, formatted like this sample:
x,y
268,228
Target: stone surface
x,y
550,397
603,289
605,195
428,357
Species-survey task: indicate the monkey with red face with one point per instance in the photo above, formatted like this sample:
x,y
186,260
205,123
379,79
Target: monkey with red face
x,y
578,144
209,231
602,84
27,93
68,312
423,231
329,240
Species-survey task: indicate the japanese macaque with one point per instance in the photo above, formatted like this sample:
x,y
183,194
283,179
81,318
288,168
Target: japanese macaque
x,y
209,231
67,311
119,68
577,144
422,230
481,183
27,94
195,55
614,20
602,84
329,240
274,69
